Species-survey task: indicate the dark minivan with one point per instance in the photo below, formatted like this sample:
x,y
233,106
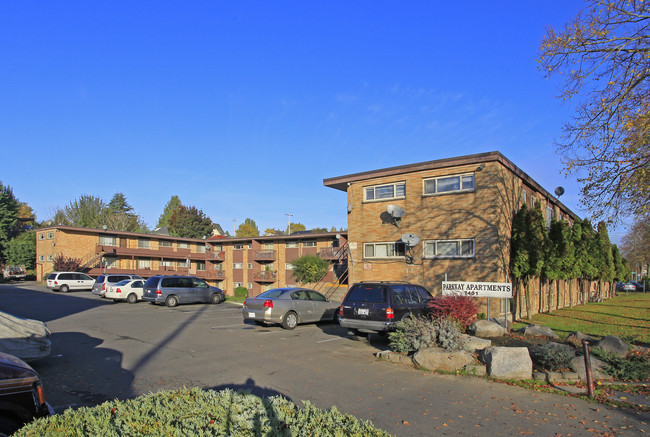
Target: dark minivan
x,y
375,307
174,290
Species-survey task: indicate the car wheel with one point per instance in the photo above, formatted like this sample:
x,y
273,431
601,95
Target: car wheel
x,y
171,301
215,298
8,426
64,289
356,335
290,320
132,298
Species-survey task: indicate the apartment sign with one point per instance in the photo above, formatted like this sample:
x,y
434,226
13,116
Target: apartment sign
x,y
477,289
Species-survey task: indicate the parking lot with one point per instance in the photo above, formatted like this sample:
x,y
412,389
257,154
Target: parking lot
x,y
104,350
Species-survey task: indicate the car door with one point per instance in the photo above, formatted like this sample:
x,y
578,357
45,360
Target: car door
x,y
200,290
137,287
322,307
303,305
401,302
86,282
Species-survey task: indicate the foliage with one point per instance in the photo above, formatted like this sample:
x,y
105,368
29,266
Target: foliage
x,y
551,356
536,237
22,250
635,244
450,333
412,334
634,367
317,230
119,204
602,55
63,263
85,212
171,207
464,309
241,292
295,227
248,229
272,232
309,268
621,269
190,223
602,254
196,412
9,208
92,212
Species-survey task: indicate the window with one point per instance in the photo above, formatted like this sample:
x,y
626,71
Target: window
x,y
523,196
250,266
238,246
200,248
200,265
237,284
217,248
237,266
385,192
250,285
41,236
181,263
384,250
292,244
448,184
50,235
549,216
289,266
41,258
166,263
107,240
49,257
268,246
449,249
144,243
165,243
309,243
111,262
144,264
183,245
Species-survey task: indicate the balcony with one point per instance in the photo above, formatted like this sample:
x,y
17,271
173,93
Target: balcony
x,y
264,255
217,256
264,276
164,252
215,274
331,253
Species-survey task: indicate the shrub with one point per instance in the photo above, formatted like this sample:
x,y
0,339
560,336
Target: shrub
x,y
241,292
461,308
412,334
634,367
63,263
552,356
189,412
309,268
450,334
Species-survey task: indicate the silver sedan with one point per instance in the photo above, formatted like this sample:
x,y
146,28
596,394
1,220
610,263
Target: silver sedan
x,y
289,307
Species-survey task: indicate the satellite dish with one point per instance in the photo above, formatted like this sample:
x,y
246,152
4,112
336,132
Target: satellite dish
x,y
559,191
410,239
395,211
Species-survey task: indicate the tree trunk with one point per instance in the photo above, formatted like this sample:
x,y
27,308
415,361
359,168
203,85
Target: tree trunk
x,y
527,300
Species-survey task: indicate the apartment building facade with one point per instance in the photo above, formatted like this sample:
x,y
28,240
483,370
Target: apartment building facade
x,y
459,210
256,263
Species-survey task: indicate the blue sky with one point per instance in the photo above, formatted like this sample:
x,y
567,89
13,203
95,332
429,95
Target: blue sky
x,y
243,108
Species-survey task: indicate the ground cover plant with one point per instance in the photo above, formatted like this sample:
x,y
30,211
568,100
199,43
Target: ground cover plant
x,y
626,316
197,412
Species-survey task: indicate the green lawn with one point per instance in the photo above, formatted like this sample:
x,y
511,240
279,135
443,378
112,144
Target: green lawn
x,y
626,316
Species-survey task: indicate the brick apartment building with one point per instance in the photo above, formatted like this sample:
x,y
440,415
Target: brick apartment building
x,y
460,209
255,263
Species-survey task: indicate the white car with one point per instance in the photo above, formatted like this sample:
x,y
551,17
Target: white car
x,y
69,281
129,290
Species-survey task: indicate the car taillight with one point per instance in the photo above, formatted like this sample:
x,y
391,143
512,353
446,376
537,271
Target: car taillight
x,y
268,303
56,282
158,292
118,291
245,301
389,313
39,394
104,286
340,311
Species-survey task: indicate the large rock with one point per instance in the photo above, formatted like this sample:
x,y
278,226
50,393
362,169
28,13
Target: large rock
x,y
24,338
440,359
578,365
474,343
614,345
575,339
485,328
508,362
538,331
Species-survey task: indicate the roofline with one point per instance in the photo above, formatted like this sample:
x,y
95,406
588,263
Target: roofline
x,y
341,182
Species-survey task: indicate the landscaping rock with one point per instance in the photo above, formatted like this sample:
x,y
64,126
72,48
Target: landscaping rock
x,y
475,343
575,339
484,328
394,357
614,345
508,362
26,339
475,369
578,365
538,331
440,359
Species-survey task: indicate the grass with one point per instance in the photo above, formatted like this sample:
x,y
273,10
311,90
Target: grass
x,y
626,316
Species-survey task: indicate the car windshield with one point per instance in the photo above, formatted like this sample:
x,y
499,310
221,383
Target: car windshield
x,y
270,294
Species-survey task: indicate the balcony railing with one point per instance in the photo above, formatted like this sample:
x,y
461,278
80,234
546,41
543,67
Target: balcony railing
x,y
264,255
264,276
332,252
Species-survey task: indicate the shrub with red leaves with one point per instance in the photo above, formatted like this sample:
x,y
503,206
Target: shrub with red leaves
x,y
462,308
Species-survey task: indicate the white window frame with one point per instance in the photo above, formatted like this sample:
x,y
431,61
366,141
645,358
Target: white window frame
x,y
41,257
289,266
435,180
309,243
183,245
144,243
143,264
374,245
200,266
165,243
166,263
395,186
549,216
458,241
237,246
200,248
108,240
249,266
292,244
50,235
49,258
237,266
181,263
41,236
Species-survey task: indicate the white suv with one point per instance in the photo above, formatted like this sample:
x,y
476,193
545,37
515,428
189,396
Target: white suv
x,y
67,281
108,279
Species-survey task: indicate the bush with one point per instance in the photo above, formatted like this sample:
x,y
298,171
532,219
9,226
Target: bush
x,y
552,356
193,412
241,293
450,334
634,367
413,334
461,308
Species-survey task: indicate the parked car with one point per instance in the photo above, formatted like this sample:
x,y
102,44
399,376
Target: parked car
x,y
626,286
289,307
174,290
129,290
106,280
67,281
376,307
21,395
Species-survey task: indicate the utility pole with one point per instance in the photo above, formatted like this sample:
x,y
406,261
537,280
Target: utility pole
x,y
289,223
234,229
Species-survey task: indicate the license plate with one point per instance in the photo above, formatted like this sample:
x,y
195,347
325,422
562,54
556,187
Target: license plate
x,y
363,311
251,314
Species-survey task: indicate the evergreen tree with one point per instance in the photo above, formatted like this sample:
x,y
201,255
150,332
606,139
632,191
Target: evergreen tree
x,y
519,259
171,207
309,268
9,208
248,229
22,250
190,223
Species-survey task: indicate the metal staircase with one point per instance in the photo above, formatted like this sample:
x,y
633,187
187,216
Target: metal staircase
x,y
331,289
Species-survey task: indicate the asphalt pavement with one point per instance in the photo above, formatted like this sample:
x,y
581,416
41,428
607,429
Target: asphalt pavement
x,y
104,350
